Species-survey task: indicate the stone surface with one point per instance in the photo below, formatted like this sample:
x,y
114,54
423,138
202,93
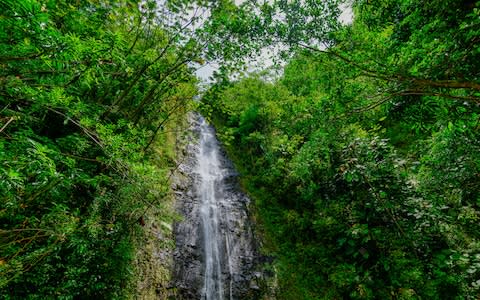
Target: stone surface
x,y
232,241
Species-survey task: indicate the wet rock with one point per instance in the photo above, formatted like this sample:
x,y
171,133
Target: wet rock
x,y
231,240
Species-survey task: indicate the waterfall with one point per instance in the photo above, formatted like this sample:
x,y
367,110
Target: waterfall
x,y
215,254
211,175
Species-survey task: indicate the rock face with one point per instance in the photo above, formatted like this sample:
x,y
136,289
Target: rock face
x,y
216,253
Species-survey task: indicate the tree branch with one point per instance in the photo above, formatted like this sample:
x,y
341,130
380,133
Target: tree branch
x,y
419,82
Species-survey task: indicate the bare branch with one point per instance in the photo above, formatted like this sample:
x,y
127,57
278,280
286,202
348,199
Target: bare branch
x,y
8,122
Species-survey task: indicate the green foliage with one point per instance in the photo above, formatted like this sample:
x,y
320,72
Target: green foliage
x,y
363,159
87,91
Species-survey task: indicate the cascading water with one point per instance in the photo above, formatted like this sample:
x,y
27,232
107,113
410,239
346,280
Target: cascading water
x,y
215,253
211,175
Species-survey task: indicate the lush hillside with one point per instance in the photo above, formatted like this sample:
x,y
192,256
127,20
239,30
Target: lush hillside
x,y
91,95
364,158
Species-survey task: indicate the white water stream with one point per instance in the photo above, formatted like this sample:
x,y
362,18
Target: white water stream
x,y
211,175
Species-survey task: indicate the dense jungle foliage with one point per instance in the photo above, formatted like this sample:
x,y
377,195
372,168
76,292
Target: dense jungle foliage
x,y
91,93
363,158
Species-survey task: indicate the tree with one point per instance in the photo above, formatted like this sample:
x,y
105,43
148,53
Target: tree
x,y
361,157
89,90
